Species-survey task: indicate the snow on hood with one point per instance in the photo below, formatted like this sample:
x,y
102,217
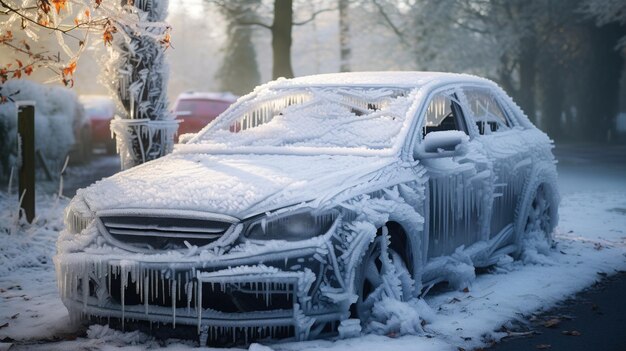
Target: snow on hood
x,y
235,185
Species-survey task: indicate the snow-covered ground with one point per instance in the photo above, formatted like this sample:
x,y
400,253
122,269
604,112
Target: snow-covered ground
x,y
591,239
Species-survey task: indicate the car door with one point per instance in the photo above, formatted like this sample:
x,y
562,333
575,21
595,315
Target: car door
x,y
502,140
459,187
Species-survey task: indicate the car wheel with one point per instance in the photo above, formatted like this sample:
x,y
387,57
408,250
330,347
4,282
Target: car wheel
x,y
383,272
538,215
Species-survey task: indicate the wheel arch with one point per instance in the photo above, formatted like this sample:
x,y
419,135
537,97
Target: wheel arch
x,y
541,174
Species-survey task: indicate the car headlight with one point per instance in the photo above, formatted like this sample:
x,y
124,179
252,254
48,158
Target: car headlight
x,y
291,226
77,216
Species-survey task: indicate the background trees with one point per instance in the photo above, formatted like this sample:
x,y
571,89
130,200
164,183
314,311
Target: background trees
x,y
562,60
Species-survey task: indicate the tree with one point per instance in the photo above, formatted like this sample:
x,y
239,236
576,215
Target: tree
x,y
239,72
282,24
75,23
136,75
546,54
344,36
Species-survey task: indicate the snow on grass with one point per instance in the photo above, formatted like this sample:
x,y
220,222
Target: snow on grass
x,y
29,304
590,239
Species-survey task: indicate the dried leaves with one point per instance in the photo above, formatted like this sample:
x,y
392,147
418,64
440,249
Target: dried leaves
x,y
67,73
59,5
552,323
109,30
94,19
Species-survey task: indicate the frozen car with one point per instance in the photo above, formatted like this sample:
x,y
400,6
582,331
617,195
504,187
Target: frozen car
x,y
308,202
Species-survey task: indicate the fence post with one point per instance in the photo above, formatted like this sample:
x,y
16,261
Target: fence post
x,y
26,138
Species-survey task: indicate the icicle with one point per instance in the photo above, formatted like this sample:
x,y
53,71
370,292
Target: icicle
x,y
173,286
123,297
145,294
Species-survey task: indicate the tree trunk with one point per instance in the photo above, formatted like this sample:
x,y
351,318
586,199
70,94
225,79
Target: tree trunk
x,y
552,91
344,36
527,72
281,39
239,71
599,102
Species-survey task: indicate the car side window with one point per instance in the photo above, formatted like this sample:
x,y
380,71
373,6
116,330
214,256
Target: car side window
x,y
485,110
443,113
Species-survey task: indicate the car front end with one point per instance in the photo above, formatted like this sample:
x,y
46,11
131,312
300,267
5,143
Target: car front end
x,y
243,231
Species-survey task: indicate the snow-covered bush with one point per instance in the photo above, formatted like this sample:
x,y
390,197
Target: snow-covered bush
x,y
57,113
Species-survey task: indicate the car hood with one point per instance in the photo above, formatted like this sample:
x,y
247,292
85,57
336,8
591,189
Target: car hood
x,y
235,185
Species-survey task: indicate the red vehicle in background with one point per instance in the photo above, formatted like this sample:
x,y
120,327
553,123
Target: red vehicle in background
x,y
100,110
197,109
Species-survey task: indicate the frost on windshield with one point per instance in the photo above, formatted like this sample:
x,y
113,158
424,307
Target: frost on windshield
x,y
360,118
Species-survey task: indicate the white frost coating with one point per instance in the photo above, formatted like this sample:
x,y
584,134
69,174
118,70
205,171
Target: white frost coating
x,y
315,117
424,220
235,185
139,135
536,249
349,328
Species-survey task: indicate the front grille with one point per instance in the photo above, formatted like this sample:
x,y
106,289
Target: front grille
x,y
163,233
227,297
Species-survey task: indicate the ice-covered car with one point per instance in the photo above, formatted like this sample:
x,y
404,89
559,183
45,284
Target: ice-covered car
x,y
310,201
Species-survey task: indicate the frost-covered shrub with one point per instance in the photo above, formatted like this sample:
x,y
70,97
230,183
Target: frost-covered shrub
x,y
57,114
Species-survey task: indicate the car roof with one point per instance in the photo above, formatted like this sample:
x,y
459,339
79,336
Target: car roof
x,y
389,78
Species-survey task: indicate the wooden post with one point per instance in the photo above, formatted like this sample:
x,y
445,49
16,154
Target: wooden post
x,y
26,138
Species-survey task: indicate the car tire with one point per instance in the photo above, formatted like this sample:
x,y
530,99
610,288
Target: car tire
x,y
380,259
538,212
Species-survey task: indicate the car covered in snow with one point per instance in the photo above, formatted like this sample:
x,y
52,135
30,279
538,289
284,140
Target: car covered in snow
x,y
310,204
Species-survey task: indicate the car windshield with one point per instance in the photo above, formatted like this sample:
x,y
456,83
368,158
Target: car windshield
x,y
313,117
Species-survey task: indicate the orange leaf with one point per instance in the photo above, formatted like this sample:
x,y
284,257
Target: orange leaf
x,y
59,5
87,13
17,74
28,70
69,70
98,2
19,63
166,40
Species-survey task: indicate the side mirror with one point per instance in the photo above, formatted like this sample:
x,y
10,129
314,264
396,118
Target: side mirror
x,y
446,143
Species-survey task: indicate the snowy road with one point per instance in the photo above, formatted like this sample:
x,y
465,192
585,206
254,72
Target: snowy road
x,y
591,239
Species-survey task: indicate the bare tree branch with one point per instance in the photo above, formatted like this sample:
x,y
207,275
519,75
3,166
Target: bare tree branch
x,y
390,23
236,12
23,16
313,16
254,23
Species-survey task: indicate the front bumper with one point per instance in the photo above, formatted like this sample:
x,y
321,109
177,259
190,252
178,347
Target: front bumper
x,y
242,298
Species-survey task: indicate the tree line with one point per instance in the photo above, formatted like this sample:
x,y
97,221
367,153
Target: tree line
x,y
561,60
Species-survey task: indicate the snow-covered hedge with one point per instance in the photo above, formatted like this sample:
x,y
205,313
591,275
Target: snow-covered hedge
x,y
57,113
